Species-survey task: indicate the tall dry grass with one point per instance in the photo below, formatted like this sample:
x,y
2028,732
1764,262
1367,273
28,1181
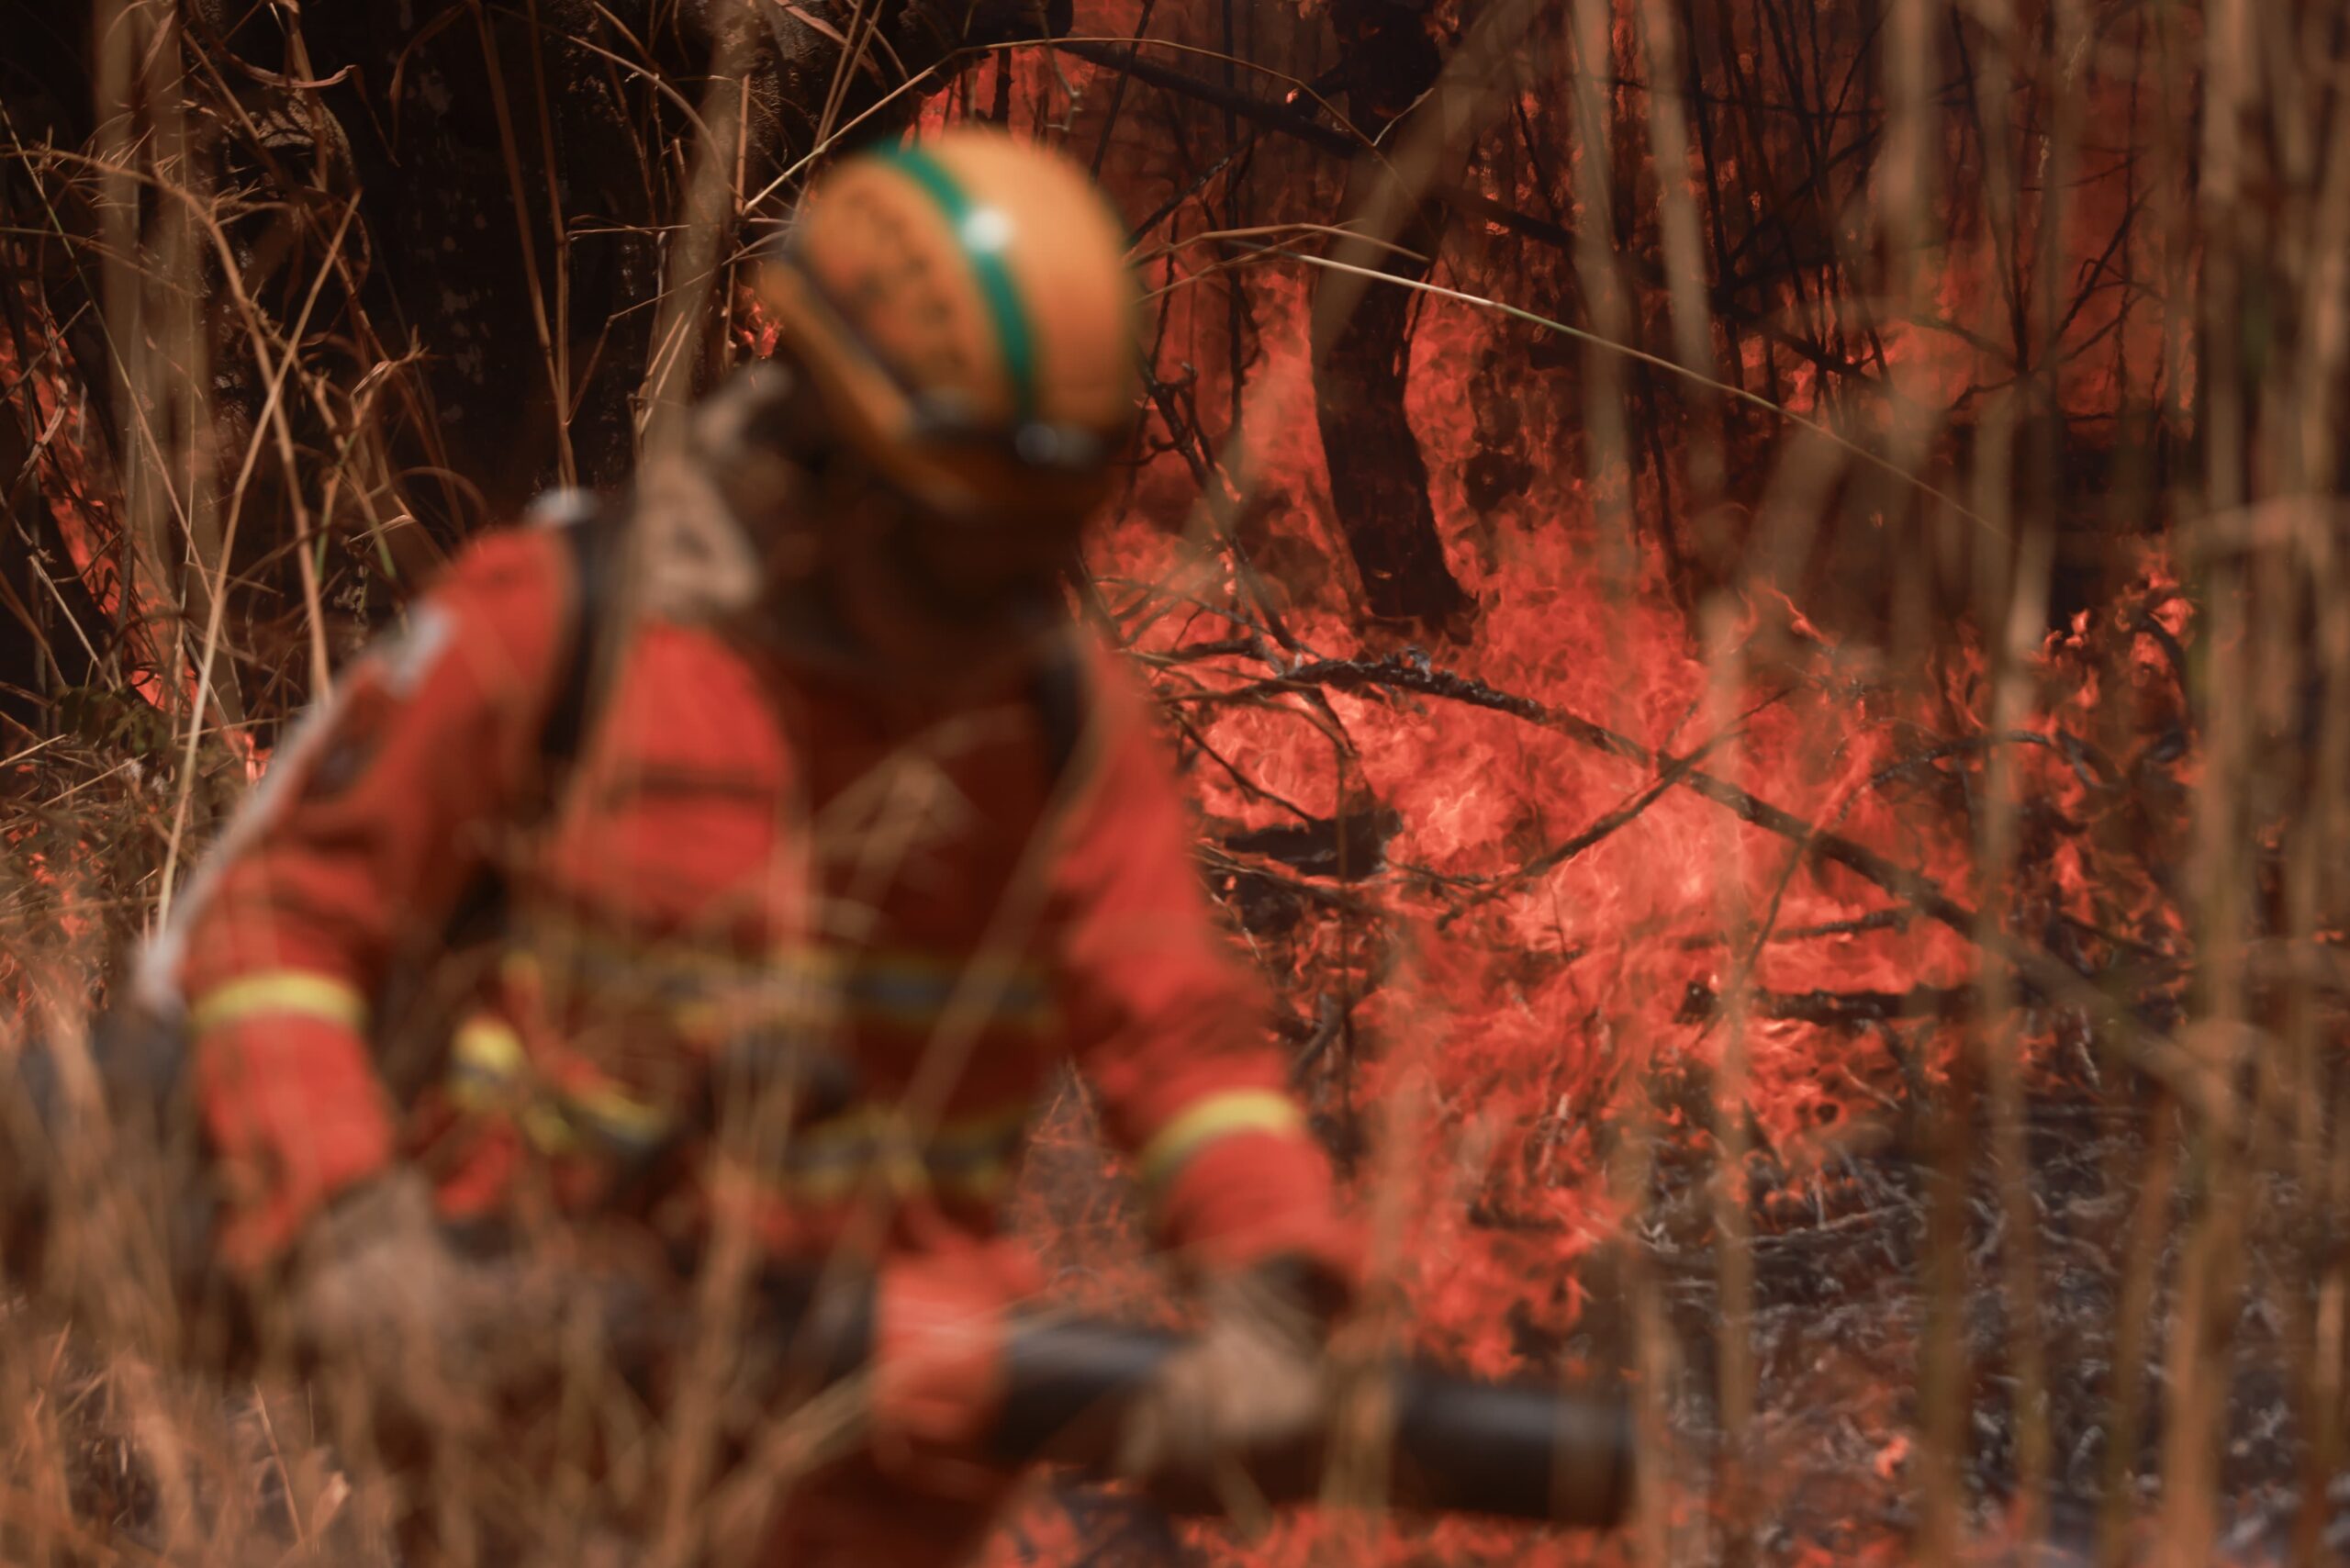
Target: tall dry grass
x,y
1949,322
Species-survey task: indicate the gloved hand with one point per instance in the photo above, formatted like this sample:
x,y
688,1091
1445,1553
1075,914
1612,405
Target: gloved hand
x,y
375,1291
1254,1382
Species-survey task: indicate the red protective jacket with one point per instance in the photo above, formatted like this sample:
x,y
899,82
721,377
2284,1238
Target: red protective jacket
x,y
751,863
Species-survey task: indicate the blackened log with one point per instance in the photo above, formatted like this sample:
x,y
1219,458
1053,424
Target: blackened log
x,y
1378,479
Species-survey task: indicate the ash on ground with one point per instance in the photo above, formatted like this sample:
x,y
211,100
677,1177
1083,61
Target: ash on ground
x,y
1841,1310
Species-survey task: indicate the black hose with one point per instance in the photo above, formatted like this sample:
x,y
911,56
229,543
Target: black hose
x,y
1513,1450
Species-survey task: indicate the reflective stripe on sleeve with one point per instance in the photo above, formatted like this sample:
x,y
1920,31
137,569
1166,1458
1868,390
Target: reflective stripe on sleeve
x,y
1206,1120
486,1054
618,1118
970,1157
489,1071
302,993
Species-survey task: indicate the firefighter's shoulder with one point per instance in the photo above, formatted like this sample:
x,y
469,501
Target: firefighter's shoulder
x,y
512,588
523,565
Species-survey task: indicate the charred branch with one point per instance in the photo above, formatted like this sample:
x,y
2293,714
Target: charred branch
x,y
1404,673
2142,1042
1348,848
1840,1009
1302,125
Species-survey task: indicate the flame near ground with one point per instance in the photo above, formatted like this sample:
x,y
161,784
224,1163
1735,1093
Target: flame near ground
x,y
1504,949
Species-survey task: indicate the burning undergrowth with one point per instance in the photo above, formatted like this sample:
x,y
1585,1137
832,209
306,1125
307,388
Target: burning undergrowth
x,y
1584,891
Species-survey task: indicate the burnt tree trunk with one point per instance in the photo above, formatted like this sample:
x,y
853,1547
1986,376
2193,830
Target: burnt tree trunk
x,y
1379,478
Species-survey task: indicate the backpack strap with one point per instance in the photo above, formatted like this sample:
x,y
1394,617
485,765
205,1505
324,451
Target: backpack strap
x,y
593,535
592,531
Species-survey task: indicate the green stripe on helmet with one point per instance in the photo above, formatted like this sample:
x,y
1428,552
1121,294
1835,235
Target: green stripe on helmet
x,y
984,251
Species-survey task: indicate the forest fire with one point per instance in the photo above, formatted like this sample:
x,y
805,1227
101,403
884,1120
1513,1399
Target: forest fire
x,y
1507,868
1744,596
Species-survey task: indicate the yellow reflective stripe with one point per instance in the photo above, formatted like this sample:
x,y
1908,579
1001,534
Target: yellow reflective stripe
x,y
831,1183
908,1178
302,992
616,1113
978,1182
1207,1119
873,1124
833,1158
981,1127
702,989
488,1070
490,1047
485,1065
986,1183
545,1127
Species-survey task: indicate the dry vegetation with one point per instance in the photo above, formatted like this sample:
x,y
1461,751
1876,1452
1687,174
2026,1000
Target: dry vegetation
x,y
1753,589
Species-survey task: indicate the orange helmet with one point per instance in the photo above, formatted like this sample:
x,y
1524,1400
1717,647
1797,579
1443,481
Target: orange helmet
x,y
965,309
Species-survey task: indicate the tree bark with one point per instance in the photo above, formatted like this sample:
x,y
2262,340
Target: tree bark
x,y
1378,479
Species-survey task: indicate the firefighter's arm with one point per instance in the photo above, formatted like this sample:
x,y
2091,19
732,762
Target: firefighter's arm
x,y
1166,1024
371,820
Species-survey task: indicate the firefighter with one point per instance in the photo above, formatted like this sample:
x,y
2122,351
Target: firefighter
x,y
851,826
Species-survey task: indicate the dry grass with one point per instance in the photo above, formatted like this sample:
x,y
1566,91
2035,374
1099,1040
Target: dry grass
x,y
1889,458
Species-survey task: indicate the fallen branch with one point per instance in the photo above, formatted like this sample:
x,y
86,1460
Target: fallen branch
x,y
1400,673
2145,1047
